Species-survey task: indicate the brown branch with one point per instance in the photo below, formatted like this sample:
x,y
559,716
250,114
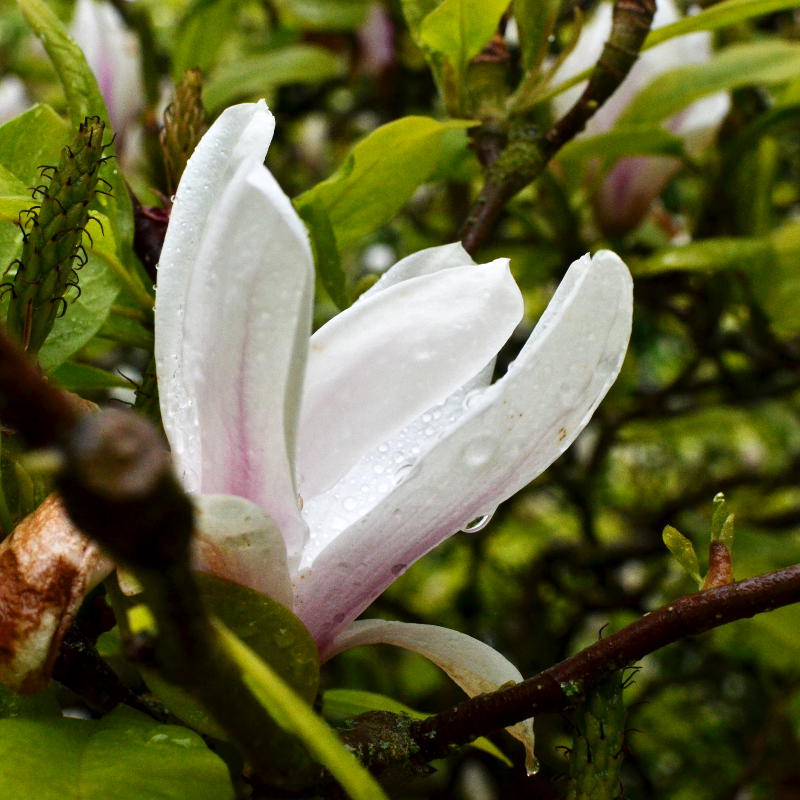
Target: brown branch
x,y
554,689
527,154
28,403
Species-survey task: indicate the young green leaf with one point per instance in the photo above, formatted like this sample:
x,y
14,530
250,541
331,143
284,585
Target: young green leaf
x,y
717,16
683,551
535,20
380,174
294,715
460,29
326,252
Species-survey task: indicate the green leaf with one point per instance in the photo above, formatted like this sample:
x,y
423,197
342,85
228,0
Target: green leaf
x,y
327,261
77,79
295,716
415,11
766,62
379,175
717,16
126,331
719,515
683,551
31,140
258,75
341,705
271,630
625,141
710,254
83,378
535,20
775,281
205,27
331,15
460,29
83,100
125,755
40,704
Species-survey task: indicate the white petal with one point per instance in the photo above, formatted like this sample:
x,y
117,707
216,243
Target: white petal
x,y
508,435
113,52
382,468
232,319
423,262
237,541
473,665
393,355
217,157
698,124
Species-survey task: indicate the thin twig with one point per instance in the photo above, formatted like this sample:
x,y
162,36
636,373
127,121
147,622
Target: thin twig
x,y
527,154
554,689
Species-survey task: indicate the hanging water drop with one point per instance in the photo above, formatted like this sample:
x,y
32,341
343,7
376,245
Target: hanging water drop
x,y
471,397
402,473
478,524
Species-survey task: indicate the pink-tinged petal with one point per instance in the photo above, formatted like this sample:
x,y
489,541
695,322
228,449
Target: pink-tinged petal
x,y
241,133
47,567
473,665
233,312
114,54
423,262
509,433
626,193
394,354
237,541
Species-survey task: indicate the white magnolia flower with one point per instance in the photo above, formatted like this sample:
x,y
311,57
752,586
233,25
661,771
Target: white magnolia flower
x,y
624,196
325,465
113,53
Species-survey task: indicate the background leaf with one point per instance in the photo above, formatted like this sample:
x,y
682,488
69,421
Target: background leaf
x,y
380,174
460,29
125,755
254,76
295,716
768,62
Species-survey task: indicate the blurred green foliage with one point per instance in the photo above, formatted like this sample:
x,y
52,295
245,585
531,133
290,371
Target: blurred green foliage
x,y
708,399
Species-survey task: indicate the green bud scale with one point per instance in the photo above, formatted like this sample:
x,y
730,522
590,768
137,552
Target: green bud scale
x,y
52,237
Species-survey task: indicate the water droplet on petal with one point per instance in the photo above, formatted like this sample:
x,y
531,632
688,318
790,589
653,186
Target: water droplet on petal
x,y
479,451
531,765
478,524
471,397
402,473
350,504
399,569
283,638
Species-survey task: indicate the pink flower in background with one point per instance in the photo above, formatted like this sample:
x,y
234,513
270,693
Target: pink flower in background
x,y
624,195
325,465
113,53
